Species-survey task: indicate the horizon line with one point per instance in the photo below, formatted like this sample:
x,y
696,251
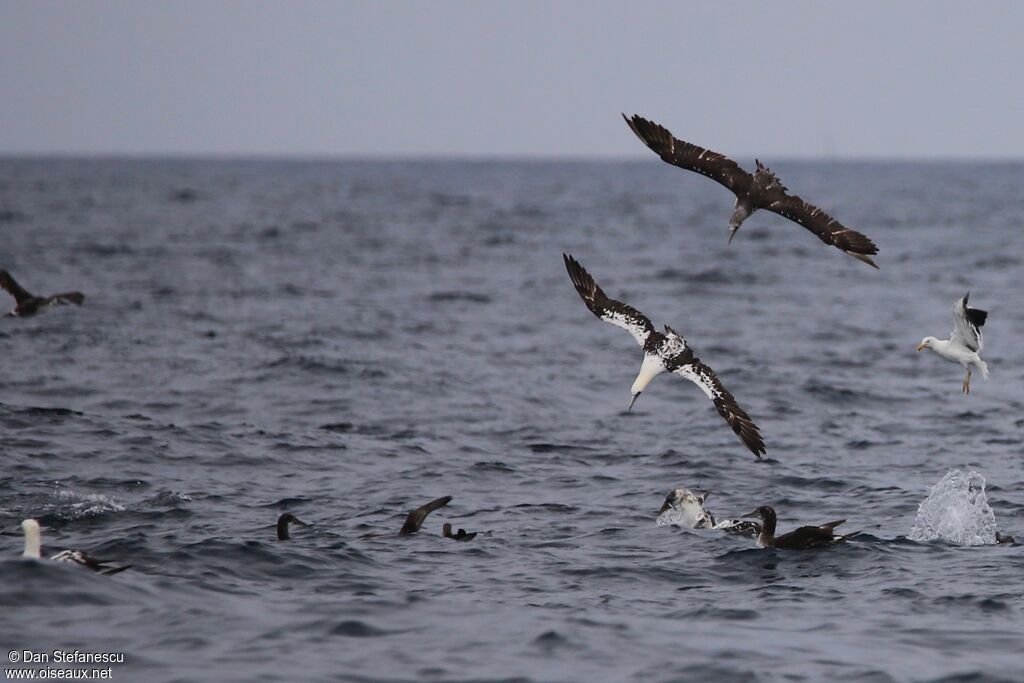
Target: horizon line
x,y
298,157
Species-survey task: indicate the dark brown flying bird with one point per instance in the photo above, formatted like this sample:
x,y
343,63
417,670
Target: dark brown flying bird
x,y
29,304
415,519
667,352
804,537
762,190
460,536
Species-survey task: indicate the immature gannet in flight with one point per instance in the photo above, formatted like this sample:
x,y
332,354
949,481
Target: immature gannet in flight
x,y
762,190
664,353
964,344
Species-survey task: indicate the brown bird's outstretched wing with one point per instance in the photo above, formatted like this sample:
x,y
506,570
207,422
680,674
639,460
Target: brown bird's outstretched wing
x,y
672,150
66,298
826,228
13,288
608,310
705,378
415,519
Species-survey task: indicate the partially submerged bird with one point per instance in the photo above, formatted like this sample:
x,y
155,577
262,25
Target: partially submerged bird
x,y
688,511
965,344
33,550
415,519
460,536
282,525
667,352
804,537
760,190
29,304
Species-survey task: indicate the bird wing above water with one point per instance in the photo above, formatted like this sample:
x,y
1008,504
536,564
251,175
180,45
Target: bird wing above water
x,y
705,378
9,285
414,520
967,323
826,228
608,310
688,156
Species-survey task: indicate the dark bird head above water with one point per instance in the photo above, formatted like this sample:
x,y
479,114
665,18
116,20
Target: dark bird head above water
x,y
282,525
460,536
415,519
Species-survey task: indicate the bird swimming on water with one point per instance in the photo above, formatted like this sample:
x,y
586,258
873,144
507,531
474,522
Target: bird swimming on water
x,y
689,512
446,531
282,525
965,344
667,352
33,550
29,304
804,537
415,519
760,190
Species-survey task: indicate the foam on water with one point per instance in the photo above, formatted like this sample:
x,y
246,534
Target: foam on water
x,y
956,511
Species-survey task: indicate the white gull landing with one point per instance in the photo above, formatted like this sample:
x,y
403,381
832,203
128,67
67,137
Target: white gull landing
x,y
965,343
667,352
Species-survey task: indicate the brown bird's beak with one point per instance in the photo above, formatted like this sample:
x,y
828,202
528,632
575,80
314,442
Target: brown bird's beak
x,y
921,347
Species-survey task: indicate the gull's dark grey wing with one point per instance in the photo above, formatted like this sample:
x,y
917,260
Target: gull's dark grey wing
x,y
826,228
608,310
705,378
672,150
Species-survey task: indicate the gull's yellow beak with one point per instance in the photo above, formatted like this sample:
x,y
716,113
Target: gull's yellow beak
x,y
922,347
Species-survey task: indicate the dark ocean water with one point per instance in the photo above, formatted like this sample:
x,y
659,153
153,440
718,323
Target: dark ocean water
x,y
350,340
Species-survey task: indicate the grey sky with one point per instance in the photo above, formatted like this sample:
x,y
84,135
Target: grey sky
x,y
852,79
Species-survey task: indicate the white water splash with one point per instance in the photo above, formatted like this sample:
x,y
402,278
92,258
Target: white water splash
x,y
956,511
71,505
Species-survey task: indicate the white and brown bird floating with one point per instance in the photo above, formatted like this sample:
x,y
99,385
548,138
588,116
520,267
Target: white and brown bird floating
x,y
666,352
760,190
33,551
965,344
